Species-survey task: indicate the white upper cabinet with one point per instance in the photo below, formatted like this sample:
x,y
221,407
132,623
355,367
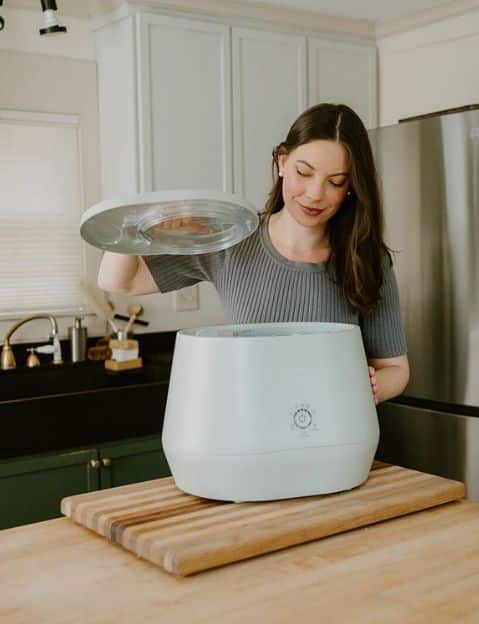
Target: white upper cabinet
x,y
194,103
344,73
184,104
269,92
117,102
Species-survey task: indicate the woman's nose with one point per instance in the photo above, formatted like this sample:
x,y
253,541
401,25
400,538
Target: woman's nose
x,y
316,189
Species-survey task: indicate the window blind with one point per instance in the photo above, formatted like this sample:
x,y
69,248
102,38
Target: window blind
x,y
41,252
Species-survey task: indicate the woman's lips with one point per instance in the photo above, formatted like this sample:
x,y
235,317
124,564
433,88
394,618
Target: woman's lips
x,y
311,212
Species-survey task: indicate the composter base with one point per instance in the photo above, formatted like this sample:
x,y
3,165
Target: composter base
x,y
273,475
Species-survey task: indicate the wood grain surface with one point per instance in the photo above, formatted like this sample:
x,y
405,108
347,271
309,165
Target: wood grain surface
x,y
185,534
422,568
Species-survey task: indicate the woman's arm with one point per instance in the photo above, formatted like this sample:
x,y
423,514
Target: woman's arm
x,y
129,275
126,275
388,376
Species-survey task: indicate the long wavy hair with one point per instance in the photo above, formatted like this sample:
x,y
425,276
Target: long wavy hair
x,y
355,232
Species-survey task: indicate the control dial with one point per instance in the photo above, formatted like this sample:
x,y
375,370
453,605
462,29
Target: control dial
x,y
302,418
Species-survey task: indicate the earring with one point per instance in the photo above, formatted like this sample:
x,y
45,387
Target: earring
x,y
280,173
348,193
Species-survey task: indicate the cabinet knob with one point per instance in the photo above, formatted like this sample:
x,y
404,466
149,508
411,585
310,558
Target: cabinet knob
x,y
95,463
106,461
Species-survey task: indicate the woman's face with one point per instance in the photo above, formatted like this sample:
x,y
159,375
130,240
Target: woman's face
x,y
315,181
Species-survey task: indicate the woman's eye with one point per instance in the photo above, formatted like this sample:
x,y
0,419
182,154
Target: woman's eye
x,y
304,174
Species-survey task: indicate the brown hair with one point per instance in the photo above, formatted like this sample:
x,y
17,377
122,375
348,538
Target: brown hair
x,y
356,231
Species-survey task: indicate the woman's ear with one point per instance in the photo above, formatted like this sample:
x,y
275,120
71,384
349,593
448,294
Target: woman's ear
x,y
282,161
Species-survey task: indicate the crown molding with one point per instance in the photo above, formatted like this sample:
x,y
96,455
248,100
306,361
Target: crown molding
x,y
289,19
386,28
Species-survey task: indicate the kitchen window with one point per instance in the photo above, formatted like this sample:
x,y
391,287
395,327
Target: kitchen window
x,y
41,201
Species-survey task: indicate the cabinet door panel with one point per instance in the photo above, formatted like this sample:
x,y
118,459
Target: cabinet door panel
x,y
31,488
344,73
185,104
269,92
132,461
115,56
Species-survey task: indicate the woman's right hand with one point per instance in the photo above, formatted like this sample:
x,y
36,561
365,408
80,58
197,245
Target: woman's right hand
x,y
374,383
187,224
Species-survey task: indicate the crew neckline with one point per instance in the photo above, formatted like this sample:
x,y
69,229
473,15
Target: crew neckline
x,y
312,267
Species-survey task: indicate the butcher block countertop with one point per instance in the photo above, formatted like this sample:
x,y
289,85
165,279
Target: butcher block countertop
x,y
419,568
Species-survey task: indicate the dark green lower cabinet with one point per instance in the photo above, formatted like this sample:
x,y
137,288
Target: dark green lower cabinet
x,y
32,487
132,461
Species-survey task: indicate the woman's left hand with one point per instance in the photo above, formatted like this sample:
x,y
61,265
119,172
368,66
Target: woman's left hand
x,y
373,382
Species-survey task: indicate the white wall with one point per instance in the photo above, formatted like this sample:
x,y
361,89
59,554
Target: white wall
x,y
53,75
21,33
58,75
429,68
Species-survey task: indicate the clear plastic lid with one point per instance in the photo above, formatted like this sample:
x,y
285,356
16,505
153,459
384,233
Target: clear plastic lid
x,y
169,222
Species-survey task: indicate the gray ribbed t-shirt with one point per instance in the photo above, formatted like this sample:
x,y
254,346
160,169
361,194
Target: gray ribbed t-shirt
x,y
258,285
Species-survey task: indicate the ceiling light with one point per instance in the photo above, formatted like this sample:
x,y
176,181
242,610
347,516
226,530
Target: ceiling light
x,y
50,22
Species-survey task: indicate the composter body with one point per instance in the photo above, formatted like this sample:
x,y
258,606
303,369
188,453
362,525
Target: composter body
x,y
269,411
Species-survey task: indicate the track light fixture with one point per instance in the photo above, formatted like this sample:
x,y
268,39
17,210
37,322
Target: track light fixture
x,y
50,22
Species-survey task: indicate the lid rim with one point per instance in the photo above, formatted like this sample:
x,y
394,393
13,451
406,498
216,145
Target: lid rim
x,y
121,226
154,197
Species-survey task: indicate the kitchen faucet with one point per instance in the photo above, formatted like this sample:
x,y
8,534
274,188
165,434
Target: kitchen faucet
x,y
7,359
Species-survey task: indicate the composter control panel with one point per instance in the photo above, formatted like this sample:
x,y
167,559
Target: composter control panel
x,y
303,419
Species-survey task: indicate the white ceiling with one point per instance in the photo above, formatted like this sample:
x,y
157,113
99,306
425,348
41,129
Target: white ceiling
x,y
374,10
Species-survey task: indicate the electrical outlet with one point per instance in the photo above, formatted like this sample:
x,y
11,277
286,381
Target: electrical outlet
x,y
187,299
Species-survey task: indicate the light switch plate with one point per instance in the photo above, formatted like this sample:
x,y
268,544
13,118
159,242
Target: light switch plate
x,y
187,299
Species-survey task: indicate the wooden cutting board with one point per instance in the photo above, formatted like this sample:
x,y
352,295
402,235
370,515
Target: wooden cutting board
x,y
185,534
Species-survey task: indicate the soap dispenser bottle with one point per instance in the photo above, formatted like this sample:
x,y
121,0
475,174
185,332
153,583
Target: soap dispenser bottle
x,y
78,340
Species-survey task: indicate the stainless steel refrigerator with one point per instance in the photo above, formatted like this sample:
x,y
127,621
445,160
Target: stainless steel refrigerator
x,y
429,173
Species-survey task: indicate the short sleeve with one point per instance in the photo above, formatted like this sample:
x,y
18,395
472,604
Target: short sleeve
x,y
382,330
172,272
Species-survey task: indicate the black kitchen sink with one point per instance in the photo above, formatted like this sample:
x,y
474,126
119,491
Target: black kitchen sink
x,y
71,405
54,380
48,423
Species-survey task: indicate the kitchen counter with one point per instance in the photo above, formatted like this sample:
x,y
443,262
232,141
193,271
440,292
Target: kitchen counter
x,y
420,568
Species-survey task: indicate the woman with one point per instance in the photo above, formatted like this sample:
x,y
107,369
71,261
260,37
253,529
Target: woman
x,y
318,254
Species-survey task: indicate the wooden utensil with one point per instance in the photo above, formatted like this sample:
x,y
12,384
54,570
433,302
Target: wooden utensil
x,y
98,305
186,534
134,310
